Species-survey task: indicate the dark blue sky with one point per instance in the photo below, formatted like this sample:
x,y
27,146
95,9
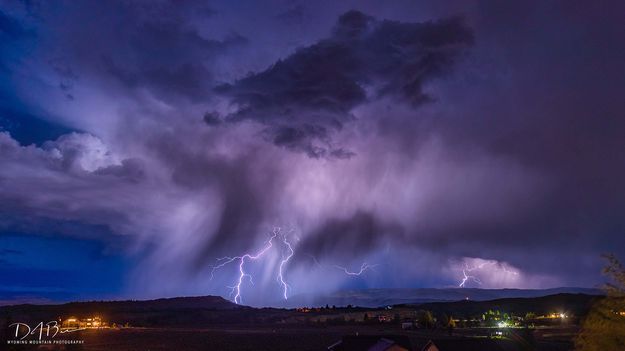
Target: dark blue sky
x,y
146,147
58,268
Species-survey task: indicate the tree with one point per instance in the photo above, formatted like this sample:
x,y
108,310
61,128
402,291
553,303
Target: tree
x,y
425,318
604,326
450,324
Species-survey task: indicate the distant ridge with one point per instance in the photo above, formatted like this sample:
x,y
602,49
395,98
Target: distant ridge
x,y
572,304
184,311
190,302
396,296
362,298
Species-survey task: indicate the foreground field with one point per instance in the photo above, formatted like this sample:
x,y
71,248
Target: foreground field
x,y
293,338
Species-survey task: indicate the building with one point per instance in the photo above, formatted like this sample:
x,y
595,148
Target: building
x,y
407,325
84,323
466,344
383,318
372,343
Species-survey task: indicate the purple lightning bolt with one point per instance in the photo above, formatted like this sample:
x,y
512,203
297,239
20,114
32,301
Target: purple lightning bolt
x,y
242,275
467,277
235,290
283,262
363,268
466,270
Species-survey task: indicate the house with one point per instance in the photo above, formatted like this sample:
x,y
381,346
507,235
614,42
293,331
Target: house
x,y
76,323
465,344
372,343
407,325
383,318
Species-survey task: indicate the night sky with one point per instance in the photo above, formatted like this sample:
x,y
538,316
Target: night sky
x,y
144,144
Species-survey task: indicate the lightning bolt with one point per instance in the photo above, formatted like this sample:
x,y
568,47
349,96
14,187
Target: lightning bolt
x,y
283,262
363,268
242,275
235,290
466,269
286,250
509,271
314,259
467,277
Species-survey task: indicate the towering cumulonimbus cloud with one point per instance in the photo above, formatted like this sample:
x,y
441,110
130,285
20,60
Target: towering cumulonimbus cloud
x,y
423,145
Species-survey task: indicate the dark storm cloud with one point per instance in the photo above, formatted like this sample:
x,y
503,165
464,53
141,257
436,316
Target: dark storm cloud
x,y
212,118
516,151
309,95
349,237
302,139
545,91
130,169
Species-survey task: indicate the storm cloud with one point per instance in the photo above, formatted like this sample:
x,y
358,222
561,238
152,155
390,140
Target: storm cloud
x,y
307,96
417,138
